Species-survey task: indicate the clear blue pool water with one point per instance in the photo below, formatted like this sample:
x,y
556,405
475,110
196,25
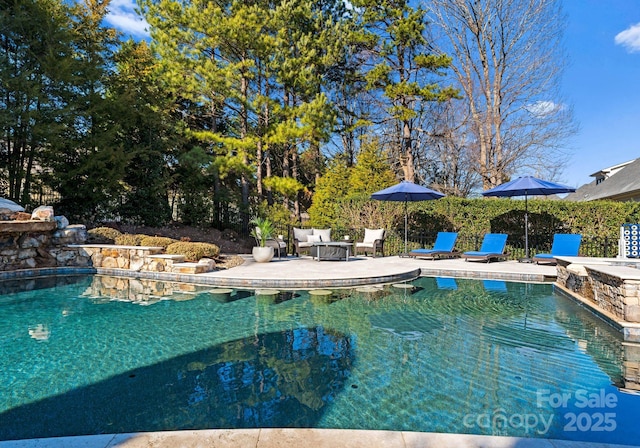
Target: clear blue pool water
x,y
93,355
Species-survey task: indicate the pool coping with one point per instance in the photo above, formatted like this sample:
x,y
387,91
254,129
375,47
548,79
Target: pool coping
x,y
250,283
292,437
202,279
301,273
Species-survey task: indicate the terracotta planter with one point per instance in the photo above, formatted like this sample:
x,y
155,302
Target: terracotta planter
x,y
262,254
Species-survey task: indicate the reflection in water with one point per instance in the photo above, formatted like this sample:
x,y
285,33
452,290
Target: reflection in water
x,y
8,288
143,291
282,379
39,332
407,325
603,346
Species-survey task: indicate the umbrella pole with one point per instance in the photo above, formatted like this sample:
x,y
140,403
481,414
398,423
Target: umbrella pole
x,y
526,230
405,227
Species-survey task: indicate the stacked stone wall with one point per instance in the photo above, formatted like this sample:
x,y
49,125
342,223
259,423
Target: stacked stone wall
x,y
39,244
609,293
29,245
133,258
616,295
141,258
575,279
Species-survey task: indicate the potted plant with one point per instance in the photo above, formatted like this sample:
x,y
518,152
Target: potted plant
x,y
262,231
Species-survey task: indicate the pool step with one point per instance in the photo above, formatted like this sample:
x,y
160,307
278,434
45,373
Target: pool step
x,y
165,262
169,257
192,268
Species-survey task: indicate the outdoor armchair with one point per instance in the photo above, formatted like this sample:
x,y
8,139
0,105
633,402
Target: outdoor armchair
x,y
278,244
373,242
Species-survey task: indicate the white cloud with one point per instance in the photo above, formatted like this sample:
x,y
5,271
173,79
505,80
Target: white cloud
x,y
542,108
122,16
630,38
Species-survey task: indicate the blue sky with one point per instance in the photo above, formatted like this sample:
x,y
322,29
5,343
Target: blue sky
x,y
601,80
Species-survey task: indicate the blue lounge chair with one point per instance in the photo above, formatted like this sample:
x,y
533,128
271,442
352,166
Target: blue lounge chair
x,y
442,248
564,244
493,245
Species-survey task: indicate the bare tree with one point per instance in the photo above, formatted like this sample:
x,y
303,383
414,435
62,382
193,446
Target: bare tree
x,y
508,59
447,161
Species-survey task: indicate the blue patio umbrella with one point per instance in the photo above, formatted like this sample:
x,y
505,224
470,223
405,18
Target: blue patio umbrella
x,y
525,186
406,191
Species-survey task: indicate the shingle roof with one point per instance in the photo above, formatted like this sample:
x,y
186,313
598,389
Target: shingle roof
x,y
624,182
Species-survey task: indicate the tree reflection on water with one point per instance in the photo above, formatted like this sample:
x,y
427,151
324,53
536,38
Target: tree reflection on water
x,y
280,379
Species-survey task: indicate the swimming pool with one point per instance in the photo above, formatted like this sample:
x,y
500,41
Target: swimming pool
x,y
95,354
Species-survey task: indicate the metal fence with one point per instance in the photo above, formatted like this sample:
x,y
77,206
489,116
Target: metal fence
x,y
590,246
394,243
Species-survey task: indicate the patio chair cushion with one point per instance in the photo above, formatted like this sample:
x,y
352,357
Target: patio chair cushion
x,y
324,234
371,235
314,239
301,234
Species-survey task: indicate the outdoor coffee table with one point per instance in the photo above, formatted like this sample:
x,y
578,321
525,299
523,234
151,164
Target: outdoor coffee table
x,y
331,250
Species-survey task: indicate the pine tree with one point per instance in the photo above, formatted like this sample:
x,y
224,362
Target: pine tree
x,y
331,187
372,171
401,68
86,162
140,113
36,67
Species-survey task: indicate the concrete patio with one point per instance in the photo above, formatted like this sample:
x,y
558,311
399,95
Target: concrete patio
x,y
305,272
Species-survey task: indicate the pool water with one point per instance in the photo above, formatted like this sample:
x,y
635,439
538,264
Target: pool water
x,y
92,355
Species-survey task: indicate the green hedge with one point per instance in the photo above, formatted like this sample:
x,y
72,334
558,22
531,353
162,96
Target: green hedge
x,y
479,216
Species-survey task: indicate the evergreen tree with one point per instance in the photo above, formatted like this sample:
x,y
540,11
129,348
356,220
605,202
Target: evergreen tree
x,y
372,171
210,53
140,113
36,67
86,162
402,69
331,187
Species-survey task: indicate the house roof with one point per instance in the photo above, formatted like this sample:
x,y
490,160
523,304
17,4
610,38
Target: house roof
x,y
620,186
610,171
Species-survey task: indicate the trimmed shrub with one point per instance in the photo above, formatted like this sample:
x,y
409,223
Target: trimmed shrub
x,y
129,239
193,251
157,241
102,235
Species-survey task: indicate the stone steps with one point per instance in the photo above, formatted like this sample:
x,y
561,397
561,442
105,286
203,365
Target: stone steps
x,y
191,268
169,260
142,258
